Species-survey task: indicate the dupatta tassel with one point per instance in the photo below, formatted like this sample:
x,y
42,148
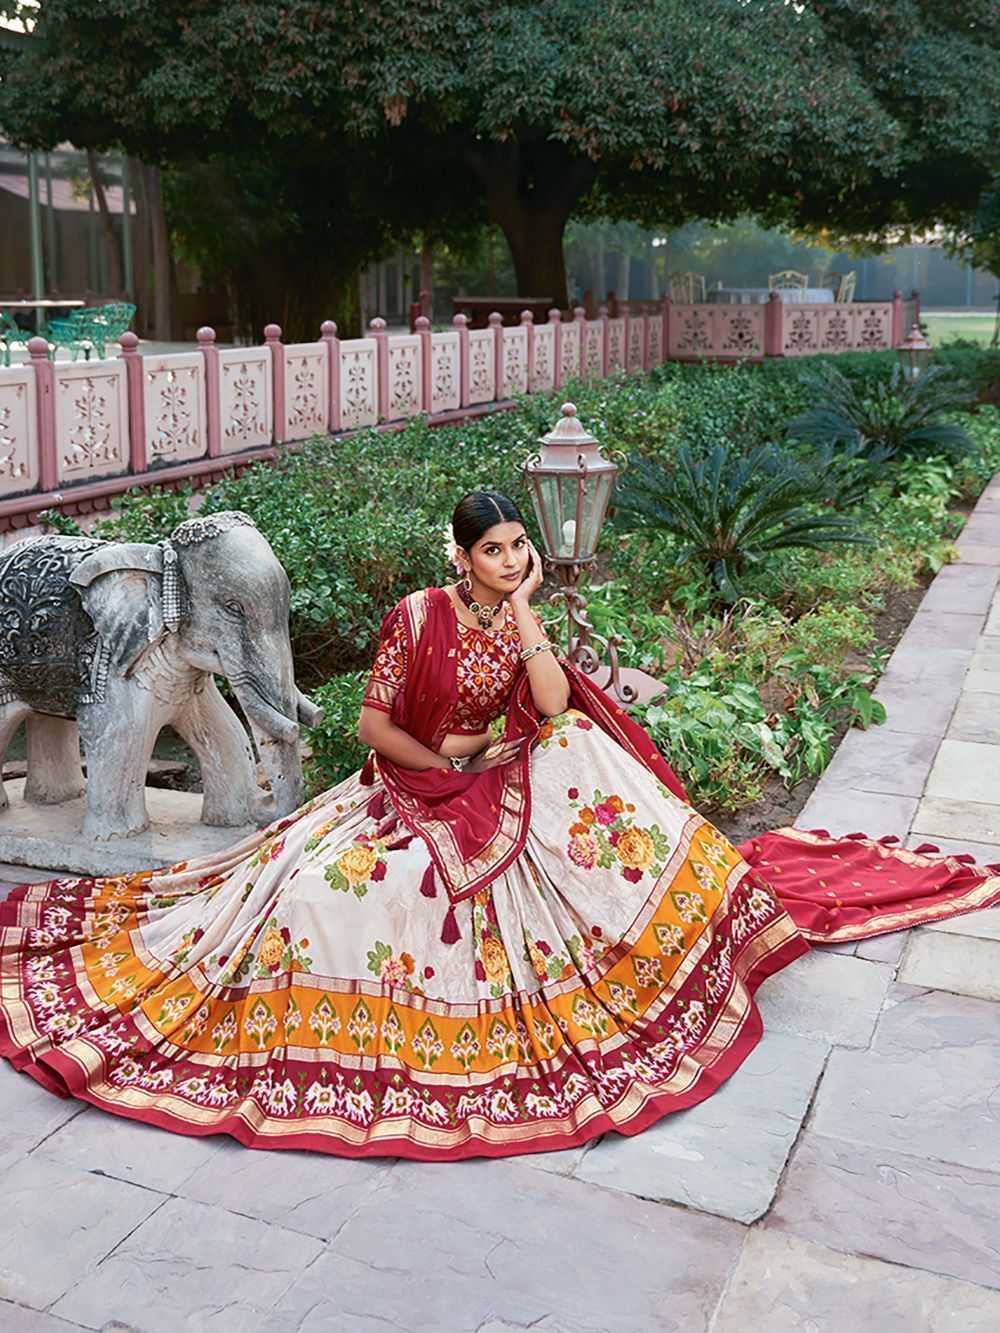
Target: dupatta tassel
x,y
376,806
927,848
428,885
450,932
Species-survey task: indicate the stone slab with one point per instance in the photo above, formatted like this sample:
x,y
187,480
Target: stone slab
x,y
844,810
947,961
561,1163
957,821
311,1193
976,718
940,629
786,1285
28,1114
981,925
982,679
50,837
498,1244
915,1019
893,762
57,1224
985,853
978,553
920,709
826,997
919,1092
896,1206
965,589
726,1155
882,948
918,664
197,1268
966,771
18,1319
129,1150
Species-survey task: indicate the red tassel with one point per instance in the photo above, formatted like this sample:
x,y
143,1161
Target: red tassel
x,y
376,806
966,858
450,931
401,843
924,848
820,832
857,837
889,840
427,885
387,826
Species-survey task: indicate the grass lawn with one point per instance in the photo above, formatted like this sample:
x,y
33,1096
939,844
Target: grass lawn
x,y
943,328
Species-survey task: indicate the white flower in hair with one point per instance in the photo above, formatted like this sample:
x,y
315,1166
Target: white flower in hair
x,y
451,549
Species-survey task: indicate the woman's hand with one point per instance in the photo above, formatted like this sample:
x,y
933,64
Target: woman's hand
x,y
524,592
495,756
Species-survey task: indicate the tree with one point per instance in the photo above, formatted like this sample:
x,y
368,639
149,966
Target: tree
x,y
657,110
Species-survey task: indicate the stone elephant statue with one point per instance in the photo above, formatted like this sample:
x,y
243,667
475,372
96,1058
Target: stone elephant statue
x,y
112,641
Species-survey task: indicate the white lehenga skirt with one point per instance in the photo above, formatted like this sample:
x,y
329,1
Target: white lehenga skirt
x,y
296,991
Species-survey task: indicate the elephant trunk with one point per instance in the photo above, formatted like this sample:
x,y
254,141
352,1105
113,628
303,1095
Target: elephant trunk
x,y
275,733
282,764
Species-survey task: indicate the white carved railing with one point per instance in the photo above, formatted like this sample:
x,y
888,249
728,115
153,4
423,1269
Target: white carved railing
x,y
77,433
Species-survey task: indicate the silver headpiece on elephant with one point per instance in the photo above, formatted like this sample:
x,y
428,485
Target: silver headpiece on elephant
x,y
189,533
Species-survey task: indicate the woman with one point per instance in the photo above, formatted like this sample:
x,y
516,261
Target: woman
x,y
471,947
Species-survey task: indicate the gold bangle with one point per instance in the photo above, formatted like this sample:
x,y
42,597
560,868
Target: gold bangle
x,y
543,647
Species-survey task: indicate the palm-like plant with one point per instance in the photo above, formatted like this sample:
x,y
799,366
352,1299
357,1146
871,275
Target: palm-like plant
x,y
888,417
729,510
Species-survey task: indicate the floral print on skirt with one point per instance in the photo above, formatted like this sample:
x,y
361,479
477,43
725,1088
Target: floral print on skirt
x,y
295,991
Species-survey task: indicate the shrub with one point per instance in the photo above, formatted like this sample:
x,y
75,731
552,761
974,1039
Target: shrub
x,y
336,750
729,510
885,418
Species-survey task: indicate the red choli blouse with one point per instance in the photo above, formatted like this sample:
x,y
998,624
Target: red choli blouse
x,y
488,661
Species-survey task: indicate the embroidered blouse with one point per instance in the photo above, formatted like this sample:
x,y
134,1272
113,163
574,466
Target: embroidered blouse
x,y
488,662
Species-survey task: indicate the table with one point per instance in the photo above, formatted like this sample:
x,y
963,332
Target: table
x,y
761,295
479,308
41,307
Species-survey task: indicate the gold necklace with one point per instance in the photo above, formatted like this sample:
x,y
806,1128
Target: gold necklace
x,y
484,614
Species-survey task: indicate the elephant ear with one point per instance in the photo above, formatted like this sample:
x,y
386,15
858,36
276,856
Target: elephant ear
x,y
121,590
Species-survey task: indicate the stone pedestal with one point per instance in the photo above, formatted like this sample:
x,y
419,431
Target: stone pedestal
x,y
50,837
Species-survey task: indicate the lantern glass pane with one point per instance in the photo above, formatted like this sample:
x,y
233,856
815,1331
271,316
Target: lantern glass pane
x,y
595,504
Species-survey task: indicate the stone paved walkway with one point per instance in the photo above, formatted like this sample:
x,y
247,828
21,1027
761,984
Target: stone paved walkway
x,y
846,1178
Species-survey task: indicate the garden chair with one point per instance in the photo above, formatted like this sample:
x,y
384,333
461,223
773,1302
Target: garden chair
x,y
832,279
109,323
687,288
845,292
71,332
12,334
787,280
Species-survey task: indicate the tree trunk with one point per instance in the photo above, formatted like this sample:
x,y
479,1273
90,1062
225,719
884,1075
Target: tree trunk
x,y
161,256
110,238
531,188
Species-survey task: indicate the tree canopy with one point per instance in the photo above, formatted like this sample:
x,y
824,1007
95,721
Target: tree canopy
x,y
857,115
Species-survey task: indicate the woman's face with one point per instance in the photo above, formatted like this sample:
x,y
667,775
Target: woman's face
x,y
499,559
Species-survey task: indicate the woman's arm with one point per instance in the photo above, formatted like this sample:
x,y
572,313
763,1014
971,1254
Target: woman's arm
x,y
376,730
549,686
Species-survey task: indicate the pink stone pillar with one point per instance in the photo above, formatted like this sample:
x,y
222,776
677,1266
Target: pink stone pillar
x,y
213,408
272,339
496,324
423,330
897,331
773,325
328,336
604,317
45,399
555,319
376,330
461,324
528,322
580,315
138,452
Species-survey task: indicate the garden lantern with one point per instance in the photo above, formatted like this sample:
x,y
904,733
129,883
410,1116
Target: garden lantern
x,y
571,483
914,353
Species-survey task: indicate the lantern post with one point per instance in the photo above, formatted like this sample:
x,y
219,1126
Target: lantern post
x,y
571,481
914,353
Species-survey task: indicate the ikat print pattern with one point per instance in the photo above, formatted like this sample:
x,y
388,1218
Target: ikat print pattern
x,y
266,1001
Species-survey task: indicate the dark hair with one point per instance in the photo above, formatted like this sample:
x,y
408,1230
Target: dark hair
x,y
479,511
